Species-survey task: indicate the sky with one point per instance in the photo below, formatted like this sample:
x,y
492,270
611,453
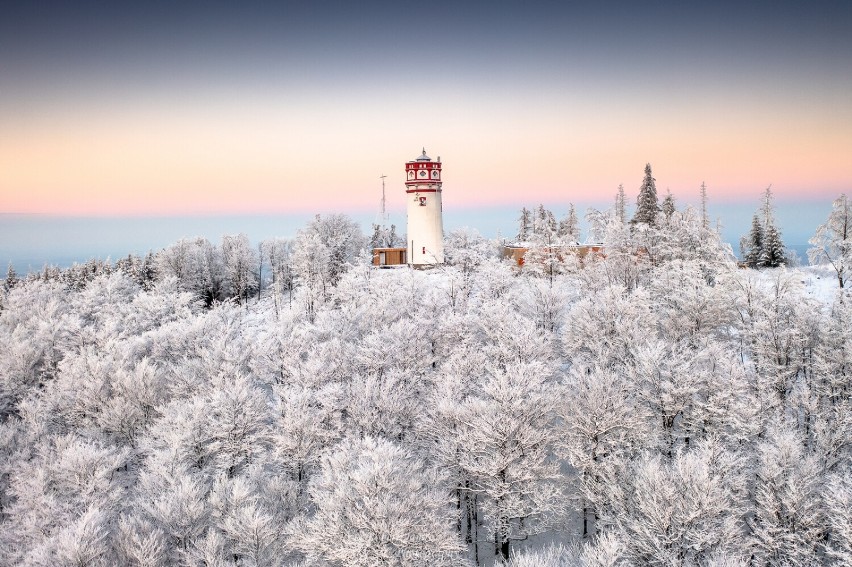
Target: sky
x,y
113,109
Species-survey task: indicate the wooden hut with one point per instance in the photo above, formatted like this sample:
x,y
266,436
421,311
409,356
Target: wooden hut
x,y
389,257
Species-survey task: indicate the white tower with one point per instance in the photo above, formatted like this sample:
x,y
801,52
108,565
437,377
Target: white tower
x,y
425,222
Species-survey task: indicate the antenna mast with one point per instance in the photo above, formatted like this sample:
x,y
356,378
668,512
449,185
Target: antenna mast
x,y
384,215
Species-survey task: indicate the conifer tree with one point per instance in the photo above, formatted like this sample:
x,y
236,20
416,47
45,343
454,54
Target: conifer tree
x,y
766,208
11,277
524,225
763,247
705,221
753,244
647,204
377,240
620,205
545,226
569,227
772,254
668,206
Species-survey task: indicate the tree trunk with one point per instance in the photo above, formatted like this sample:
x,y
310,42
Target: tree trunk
x,y
474,516
458,511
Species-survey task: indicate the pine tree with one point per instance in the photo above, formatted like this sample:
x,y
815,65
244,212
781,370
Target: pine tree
x,y
647,205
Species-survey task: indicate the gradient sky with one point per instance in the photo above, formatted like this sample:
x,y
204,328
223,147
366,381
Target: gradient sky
x,y
145,108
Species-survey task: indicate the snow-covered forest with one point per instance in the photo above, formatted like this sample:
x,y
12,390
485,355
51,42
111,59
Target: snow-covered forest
x,y
221,404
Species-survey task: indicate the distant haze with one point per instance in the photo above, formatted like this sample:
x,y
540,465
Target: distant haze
x,y
30,241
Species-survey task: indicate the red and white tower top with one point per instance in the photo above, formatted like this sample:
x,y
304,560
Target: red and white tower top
x,y
423,175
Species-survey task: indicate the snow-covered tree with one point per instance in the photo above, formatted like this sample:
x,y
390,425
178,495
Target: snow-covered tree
x,y
569,227
832,242
752,245
525,225
763,247
838,503
668,207
311,266
621,205
787,525
705,219
11,277
376,504
508,430
684,512
196,264
773,253
603,426
605,551
279,254
545,226
322,252
599,222
343,239
605,327
647,205
467,249
63,499
384,237
239,267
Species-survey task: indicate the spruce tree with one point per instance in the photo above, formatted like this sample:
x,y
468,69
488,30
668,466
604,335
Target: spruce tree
x,y
377,240
647,205
766,209
524,225
753,250
772,255
668,206
776,255
551,226
621,204
11,277
569,227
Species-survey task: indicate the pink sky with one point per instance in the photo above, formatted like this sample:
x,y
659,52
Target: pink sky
x,y
109,113
227,156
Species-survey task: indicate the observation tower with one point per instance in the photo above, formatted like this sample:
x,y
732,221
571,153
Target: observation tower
x,y
425,245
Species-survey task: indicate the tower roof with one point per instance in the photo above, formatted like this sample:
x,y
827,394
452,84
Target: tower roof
x,y
424,157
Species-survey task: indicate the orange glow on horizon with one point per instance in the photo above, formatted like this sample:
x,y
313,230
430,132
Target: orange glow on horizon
x,y
221,157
